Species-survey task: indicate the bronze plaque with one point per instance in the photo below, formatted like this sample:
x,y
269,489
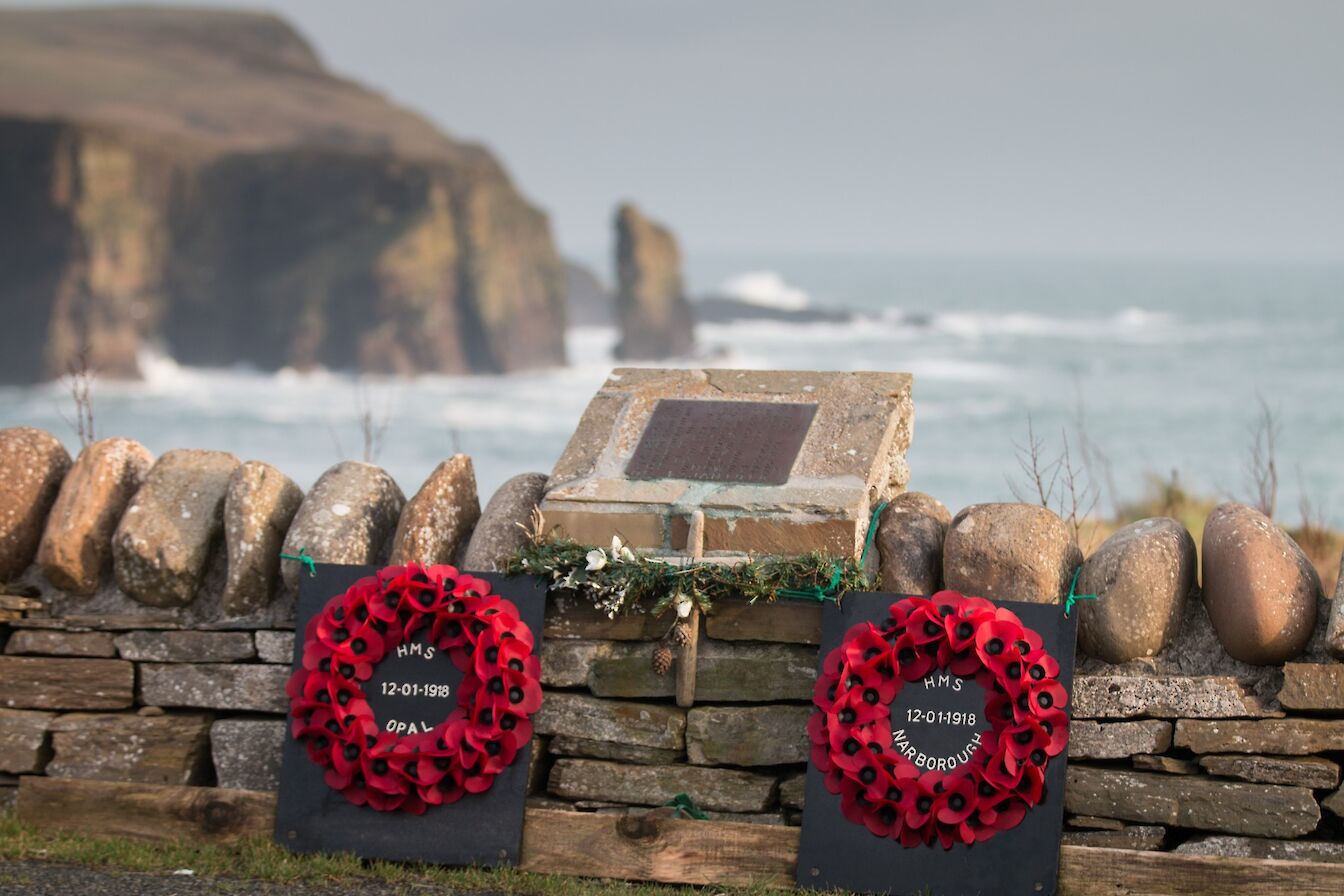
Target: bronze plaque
x,y
721,441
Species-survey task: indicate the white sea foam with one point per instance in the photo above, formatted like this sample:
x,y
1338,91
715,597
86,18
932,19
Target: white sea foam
x,y
765,288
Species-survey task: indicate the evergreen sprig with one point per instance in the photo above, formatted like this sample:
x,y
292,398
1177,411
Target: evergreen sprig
x,y
619,580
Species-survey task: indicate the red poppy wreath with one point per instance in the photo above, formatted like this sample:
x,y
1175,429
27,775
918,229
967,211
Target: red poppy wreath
x,y
483,636
880,786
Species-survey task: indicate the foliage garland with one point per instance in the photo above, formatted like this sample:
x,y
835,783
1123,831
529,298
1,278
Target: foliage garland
x,y
618,580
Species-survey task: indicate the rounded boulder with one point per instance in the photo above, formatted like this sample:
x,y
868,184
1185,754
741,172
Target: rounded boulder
x,y
1260,589
909,541
500,531
33,463
1010,552
1141,576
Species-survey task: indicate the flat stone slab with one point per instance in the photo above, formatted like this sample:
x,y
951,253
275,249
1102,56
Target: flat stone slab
x,y
1284,737
146,749
852,455
1315,772
747,735
566,664
1131,836
251,688
716,789
246,752
36,642
792,790
24,745
783,620
1163,697
572,616
741,672
636,724
1318,687
186,647
1335,802
567,745
1264,810
60,683
1117,740
275,647
1261,848
1171,765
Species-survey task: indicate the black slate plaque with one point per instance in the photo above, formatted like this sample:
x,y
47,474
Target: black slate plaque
x,y
721,441
936,723
414,687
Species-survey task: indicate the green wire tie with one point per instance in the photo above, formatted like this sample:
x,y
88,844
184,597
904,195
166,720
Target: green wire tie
x,y
816,592
303,558
1074,598
684,806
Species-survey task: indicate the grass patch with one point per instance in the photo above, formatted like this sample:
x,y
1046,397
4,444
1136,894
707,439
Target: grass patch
x,y
260,859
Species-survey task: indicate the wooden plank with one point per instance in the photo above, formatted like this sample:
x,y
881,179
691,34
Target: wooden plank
x,y
145,811
1088,871
658,847
654,846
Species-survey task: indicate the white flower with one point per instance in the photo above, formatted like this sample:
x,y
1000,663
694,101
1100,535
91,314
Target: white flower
x,y
615,545
627,555
684,605
596,560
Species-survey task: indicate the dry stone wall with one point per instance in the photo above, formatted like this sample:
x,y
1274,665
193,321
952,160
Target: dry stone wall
x,y
1175,744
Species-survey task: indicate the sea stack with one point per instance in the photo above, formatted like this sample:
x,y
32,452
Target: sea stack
x,y
651,306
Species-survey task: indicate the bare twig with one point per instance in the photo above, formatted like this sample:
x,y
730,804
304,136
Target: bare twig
x,y
1077,497
79,382
372,423
1262,470
1041,474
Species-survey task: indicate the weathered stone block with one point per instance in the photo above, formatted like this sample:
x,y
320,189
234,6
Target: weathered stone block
x,y
1315,772
259,506
1170,765
565,745
1170,697
745,672
1266,810
349,516
1313,686
1117,740
792,791
32,464
747,735
40,642
163,542
77,542
1136,836
1334,630
851,456
56,683
1285,737
784,621
565,664
438,521
251,688
636,724
186,647
162,749
24,745
275,647
1260,848
246,752
1335,802
715,789
574,616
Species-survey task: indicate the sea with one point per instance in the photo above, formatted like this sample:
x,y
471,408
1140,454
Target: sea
x,y
1150,370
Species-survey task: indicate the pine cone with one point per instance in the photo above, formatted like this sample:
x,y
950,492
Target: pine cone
x,y
662,659
681,633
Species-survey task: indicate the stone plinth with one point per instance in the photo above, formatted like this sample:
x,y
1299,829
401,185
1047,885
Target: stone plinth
x,y
852,456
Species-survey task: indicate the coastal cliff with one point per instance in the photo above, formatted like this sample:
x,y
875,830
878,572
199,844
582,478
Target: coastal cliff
x,y
196,178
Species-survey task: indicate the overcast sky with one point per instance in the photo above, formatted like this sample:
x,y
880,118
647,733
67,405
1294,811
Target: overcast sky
x,y
1204,128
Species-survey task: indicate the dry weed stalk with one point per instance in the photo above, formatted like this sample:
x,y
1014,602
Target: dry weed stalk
x,y
1262,471
79,382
